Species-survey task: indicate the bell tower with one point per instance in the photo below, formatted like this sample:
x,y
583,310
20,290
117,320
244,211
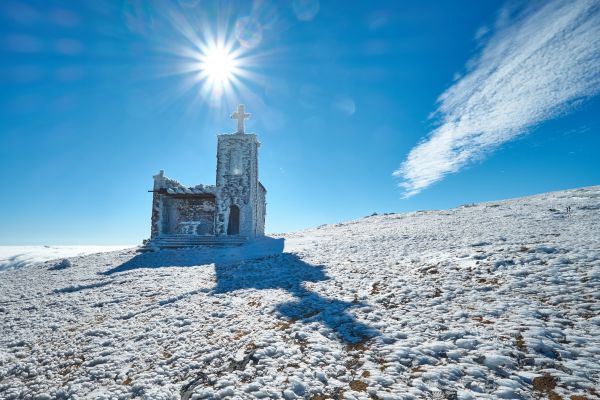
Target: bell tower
x,y
240,198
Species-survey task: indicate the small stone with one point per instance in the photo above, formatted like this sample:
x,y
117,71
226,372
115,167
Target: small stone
x,y
63,264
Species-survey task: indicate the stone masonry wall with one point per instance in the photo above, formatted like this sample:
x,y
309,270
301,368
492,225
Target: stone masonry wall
x,y
261,211
155,224
189,215
237,181
180,209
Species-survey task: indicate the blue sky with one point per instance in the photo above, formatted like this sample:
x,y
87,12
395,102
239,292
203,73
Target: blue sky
x,y
371,107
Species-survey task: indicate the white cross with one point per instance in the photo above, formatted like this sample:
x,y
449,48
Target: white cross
x,y
240,115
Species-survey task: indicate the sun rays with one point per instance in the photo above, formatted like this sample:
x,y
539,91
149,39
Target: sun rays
x,y
211,64
215,66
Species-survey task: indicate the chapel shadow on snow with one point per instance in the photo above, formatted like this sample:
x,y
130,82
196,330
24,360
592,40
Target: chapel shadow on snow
x,y
288,272
263,265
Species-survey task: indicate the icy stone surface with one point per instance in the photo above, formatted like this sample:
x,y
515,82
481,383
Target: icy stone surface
x,y
62,264
237,184
207,210
494,300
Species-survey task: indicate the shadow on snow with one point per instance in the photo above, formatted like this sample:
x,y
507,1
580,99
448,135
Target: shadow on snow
x,y
262,264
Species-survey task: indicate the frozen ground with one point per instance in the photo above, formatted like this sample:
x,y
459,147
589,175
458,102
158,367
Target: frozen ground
x,y
12,257
495,300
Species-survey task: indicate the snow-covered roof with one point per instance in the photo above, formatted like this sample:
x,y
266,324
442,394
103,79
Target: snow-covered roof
x,y
200,189
171,186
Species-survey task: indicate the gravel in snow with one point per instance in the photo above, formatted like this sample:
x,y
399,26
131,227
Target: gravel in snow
x,y
494,300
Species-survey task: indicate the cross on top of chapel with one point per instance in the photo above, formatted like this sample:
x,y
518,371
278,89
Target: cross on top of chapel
x,y
240,115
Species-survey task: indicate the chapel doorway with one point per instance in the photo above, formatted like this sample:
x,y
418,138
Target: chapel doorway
x,y
233,228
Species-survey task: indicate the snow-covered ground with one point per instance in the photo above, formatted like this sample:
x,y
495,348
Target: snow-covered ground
x,y
12,257
495,300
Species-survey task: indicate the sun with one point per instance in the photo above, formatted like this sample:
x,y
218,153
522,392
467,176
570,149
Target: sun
x,y
218,65
219,69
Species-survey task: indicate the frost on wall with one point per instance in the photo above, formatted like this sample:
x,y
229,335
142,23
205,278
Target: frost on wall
x,y
177,209
237,182
206,209
189,215
261,210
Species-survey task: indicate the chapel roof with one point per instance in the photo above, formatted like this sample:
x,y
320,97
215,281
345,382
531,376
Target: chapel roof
x,y
200,189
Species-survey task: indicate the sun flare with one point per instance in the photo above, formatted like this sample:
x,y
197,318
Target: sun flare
x,y
218,65
219,70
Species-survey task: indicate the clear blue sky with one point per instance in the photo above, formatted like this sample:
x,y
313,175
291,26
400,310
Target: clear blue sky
x,y
94,102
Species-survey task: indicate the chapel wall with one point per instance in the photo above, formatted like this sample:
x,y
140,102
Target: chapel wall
x,y
237,181
155,226
261,211
195,216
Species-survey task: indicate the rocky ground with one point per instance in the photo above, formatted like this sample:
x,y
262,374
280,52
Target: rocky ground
x,y
494,300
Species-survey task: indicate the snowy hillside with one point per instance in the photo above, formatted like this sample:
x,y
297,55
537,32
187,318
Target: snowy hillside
x,y
496,300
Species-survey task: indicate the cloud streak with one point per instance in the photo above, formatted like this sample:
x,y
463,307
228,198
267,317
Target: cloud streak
x,y
535,65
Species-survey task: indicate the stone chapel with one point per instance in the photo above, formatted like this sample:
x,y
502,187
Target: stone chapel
x,y
232,211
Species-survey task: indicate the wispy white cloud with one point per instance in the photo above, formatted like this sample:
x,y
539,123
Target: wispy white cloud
x,y
537,64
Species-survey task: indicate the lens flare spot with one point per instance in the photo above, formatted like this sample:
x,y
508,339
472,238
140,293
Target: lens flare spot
x,y
306,10
248,32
